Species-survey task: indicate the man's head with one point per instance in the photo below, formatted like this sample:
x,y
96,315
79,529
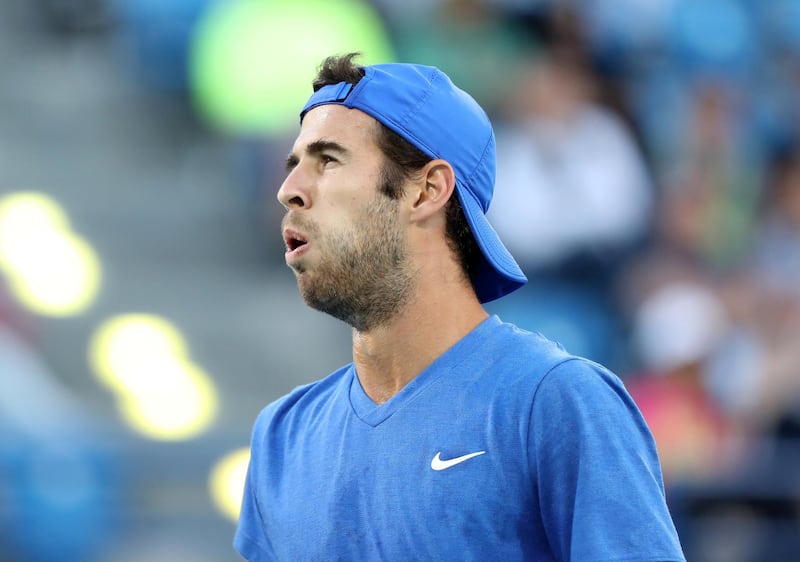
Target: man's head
x,y
424,116
376,144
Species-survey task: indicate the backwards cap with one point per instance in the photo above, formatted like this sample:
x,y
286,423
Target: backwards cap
x,y
423,106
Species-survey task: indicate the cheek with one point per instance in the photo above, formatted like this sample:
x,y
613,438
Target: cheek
x,y
342,193
347,208
339,229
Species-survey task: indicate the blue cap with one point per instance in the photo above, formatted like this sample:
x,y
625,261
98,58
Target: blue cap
x,y
423,106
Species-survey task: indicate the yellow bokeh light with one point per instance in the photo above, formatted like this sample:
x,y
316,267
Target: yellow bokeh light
x,y
54,273
29,212
182,408
51,270
161,394
130,349
226,483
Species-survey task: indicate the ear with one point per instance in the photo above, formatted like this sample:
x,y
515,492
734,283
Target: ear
x,y
436,185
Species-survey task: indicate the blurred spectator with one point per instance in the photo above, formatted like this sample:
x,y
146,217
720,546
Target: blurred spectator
x,y
713,162
571,183
677,330
774,282
707,195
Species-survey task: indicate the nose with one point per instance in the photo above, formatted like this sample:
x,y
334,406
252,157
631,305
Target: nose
x,y
294,193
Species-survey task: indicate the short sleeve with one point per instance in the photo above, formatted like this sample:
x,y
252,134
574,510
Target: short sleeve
x,y
251,540
596,470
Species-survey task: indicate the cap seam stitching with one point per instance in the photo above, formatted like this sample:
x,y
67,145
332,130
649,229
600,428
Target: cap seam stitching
x,y
433,76
478,167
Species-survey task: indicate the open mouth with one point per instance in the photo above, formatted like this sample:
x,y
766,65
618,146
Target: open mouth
x,y
293,240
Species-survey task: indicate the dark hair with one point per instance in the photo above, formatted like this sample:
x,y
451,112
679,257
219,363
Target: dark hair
x,y
338,69
403,161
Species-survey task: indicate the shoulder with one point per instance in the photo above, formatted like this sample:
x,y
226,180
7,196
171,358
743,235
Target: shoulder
x,y
520,356
511,368
578,383
303,400
580,400
580,376
529,353
550,377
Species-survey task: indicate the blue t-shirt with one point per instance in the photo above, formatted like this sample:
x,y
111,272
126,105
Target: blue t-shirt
x,y
505,448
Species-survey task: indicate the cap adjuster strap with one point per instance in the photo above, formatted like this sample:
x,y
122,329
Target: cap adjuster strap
x,y
332,93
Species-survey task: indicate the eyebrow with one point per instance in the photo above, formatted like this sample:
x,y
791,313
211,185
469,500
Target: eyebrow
x,y
315,149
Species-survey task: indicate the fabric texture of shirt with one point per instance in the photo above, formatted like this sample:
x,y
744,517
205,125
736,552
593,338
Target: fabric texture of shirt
x,y
566,467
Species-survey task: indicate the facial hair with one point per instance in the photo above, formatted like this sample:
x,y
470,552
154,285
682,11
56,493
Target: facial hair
x,y
363,276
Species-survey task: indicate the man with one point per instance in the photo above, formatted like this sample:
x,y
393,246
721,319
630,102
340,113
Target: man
x,y
451,436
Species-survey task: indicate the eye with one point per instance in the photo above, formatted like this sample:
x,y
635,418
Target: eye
x,y
327,159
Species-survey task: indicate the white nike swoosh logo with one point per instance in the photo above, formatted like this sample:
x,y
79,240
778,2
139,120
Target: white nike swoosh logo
x,y
438,464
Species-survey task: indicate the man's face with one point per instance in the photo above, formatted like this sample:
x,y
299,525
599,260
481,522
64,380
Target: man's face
x,y
345,241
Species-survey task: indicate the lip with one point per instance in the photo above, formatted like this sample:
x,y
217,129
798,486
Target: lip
x,y
296,243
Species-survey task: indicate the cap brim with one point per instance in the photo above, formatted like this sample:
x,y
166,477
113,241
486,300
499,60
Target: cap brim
x,y
498,273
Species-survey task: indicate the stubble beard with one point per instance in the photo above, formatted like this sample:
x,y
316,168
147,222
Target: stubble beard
x,y
364,277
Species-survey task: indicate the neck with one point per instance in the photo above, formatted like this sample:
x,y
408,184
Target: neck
x,y
389,356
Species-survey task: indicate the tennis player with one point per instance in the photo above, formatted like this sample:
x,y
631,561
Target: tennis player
x,y
452,435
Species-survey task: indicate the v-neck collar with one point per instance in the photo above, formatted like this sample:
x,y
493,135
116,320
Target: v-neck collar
x,y
374,414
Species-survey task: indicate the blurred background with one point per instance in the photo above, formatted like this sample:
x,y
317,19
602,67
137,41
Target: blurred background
x,y
648,184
